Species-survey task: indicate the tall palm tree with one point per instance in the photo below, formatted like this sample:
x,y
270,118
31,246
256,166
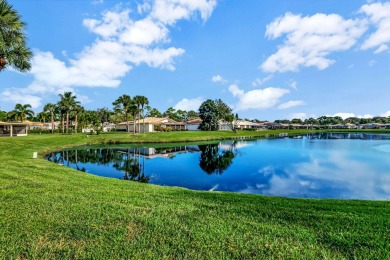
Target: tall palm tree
x,y
68,102
133,110
21,112
77,110
51,108
122,105
60,110
138,102
13,48
42,116
144,101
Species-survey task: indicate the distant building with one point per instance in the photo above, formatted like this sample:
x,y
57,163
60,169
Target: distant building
x,y
193,125
149,124
13,129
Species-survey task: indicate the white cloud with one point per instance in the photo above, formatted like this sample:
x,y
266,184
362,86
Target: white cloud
x,y
95,2
378,15
258,98
291,104
371,63
218,79
145,32
19,96
143,8
189,104
170,11
293,84
347,115
309,40
121,43
386,114
259,82
301,116
111,24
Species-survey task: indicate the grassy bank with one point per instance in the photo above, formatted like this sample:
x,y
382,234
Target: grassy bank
x,y
50,211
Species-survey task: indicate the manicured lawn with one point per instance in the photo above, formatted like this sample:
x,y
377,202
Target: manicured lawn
x,y
50,211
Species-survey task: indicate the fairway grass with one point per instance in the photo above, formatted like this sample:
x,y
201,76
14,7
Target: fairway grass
x,y
51,211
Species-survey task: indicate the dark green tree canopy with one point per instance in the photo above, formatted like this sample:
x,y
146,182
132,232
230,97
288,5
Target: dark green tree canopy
x,y
13,48
208,112
214,161
224,111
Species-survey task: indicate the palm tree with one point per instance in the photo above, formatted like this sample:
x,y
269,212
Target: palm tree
x,y
49,107
68,102
122,105
133,110
138,101
143,101
21,112
60,109
13,48
42,116
77,110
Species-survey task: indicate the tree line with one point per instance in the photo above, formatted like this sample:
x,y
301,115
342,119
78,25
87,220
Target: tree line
x,y
73,116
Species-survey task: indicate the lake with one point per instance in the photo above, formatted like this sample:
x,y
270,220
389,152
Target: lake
x,y
342,166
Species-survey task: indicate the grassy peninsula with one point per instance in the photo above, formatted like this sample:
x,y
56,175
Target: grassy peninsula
x,y
51,211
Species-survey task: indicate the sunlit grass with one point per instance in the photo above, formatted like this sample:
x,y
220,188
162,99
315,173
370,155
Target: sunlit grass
x,y
51,211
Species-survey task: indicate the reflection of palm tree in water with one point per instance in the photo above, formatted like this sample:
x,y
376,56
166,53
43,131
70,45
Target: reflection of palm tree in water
x,y
212,161
132,167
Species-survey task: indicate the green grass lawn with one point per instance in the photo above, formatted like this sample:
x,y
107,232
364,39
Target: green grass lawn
x,y
51,211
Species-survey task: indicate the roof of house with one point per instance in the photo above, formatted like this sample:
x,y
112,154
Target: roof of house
x,y
194,121
15,123
153,121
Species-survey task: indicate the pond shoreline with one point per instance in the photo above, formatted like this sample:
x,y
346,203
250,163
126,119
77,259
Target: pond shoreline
x,y
51,211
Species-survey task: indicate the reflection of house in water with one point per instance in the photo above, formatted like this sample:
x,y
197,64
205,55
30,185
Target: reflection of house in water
x,y
162,152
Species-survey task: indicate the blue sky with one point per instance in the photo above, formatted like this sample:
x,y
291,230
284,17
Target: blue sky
x,y
267,59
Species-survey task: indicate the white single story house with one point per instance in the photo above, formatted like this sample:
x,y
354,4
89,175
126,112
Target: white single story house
x,y
106,126
148,124
13,129
193,125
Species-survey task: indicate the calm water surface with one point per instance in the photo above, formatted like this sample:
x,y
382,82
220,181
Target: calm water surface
x,y
348,166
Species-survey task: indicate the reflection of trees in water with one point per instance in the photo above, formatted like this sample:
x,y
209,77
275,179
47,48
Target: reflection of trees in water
x,y
126,161
214,161
131,166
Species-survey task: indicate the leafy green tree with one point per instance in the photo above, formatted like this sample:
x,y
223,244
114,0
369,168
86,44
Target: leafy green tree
x,y
104,114
21,112
282,121
3,115
192,115
172,114
208,112
13,48
89,118
152,112
311,122
121,105
182,115
352,120
296,121
224,110
230,119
